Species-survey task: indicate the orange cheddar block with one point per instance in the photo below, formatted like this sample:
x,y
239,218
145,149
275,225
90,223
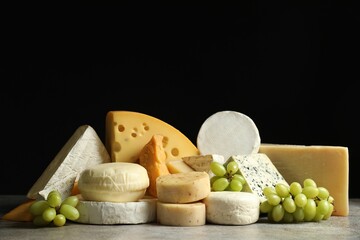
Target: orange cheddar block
x,y
153,159
20,213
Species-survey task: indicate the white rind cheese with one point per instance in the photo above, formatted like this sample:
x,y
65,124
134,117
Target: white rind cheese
x,y
232,208
259,172
142,211
82,150
228,133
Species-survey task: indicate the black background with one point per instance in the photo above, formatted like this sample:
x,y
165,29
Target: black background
x,y
291,68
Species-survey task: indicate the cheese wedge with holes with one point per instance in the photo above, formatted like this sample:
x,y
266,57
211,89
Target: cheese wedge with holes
x,y
127,133
181,214
103,213
328,166
183,187
82,150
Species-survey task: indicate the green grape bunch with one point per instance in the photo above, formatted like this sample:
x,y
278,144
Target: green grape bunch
x,y
226,177
54,210
297,203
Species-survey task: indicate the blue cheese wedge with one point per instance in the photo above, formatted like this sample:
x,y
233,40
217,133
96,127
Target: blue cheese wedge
x,y
82,150
259,172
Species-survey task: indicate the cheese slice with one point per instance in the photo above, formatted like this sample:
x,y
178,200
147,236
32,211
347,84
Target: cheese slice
x,y
183,187
93,212
181,214
83,149
232,208
127,133
178,166
201,163
259,172
328,166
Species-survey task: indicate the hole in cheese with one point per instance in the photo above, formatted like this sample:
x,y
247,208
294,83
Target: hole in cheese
x,y
121,128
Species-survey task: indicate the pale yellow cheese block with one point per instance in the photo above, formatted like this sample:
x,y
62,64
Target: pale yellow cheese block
x,y
183,187
127,133
181,214
327,165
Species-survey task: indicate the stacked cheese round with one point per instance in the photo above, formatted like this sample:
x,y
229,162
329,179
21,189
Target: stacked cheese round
x,y
114,182
179,198
114,193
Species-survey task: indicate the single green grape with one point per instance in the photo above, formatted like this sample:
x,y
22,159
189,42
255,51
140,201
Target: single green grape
x,y
288,217
218,169
309,182
213,179
49,214
282,190
274,199
239,177
318,216
309,210
38,207
236,185
310,191
323,206
39,221
220,184
289,205
69,212
323,193
232,167
59,220
300,200
268,191
265,207
299,214
54,199
71,200
277,213
295,188
330,211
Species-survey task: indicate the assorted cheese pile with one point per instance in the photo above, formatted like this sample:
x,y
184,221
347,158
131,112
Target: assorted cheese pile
x,y
148,171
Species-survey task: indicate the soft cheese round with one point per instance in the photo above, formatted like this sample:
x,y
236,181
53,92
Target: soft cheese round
x,y
228,133
142,211
114,182
232,208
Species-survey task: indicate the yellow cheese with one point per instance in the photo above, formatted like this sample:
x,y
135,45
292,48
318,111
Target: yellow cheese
x,y
127,132
178,166
327,165
183,187
186,214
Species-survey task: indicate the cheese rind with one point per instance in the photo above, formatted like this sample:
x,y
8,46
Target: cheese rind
x,y
127,132
82,150
259,172
201,163
183,187
232,208
186,214
142,211
328,166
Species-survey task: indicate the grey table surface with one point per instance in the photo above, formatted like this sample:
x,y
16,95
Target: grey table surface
x,y
334,228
